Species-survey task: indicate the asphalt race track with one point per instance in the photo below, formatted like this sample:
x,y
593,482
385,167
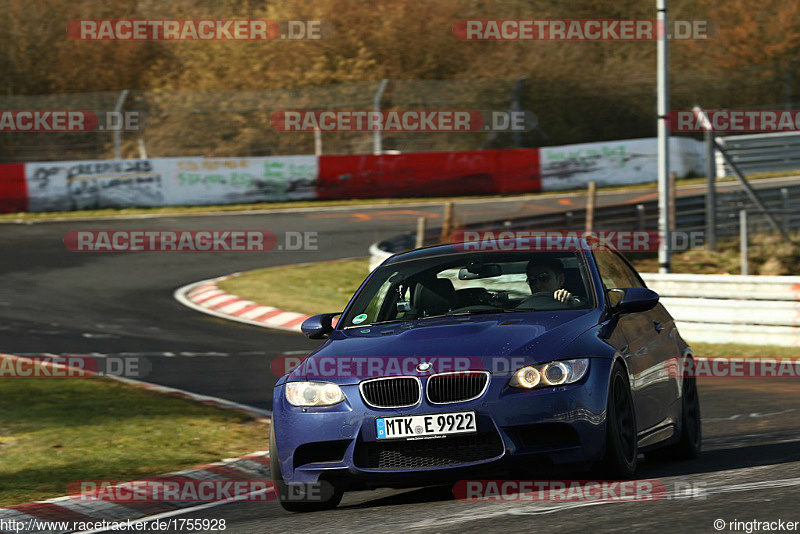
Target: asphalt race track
x,y
120,304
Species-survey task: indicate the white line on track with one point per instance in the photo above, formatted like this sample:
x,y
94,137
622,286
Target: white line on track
x,y
515,509
165,515
752,415
196,396
492,510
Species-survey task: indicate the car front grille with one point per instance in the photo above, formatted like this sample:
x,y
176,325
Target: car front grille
x,y
416,454
459,386
392,392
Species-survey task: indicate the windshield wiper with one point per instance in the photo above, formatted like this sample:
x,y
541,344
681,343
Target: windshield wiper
x,y
472,312
377,323
383,322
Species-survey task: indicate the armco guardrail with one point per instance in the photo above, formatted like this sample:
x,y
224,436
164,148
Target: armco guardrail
x,y
713,308
708,308
690,216
760,153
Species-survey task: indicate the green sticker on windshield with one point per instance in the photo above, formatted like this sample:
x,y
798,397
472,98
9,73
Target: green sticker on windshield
x,y
358,319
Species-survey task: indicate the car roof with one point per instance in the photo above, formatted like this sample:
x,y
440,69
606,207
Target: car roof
x,y
456,249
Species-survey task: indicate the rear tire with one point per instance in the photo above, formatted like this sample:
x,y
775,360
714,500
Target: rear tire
x,y
622,447
690,443
331,494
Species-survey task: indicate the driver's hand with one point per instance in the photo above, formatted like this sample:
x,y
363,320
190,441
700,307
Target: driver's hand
x,y
562,295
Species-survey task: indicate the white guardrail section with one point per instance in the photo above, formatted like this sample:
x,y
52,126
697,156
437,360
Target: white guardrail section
x,y
760,152
719,308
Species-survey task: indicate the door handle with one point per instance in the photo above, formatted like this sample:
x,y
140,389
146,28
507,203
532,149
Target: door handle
x,y
658,326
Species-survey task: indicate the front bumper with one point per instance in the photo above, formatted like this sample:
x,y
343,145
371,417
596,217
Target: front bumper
x,y
560,425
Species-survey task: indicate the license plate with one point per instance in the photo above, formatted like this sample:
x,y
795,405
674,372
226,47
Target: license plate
x,y
420,426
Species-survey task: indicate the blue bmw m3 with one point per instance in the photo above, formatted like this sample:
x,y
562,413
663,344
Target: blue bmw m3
x,y
449,364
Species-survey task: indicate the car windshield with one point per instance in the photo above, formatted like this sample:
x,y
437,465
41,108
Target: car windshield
x,y
467,284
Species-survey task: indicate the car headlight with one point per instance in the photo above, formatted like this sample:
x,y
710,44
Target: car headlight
x,y
313,393
550,374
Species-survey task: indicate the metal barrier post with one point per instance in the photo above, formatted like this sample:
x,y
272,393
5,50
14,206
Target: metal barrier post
x,y
640,220
447,223
420,232
118,132
317,142
142,149
786,219
743,239
711,192
590,201
377,141
672,205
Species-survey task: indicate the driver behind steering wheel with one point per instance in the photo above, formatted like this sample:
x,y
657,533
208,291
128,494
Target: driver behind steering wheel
x,y
545,278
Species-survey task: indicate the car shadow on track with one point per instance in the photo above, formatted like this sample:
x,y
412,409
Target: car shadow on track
x,y
726,458
413,496
718,459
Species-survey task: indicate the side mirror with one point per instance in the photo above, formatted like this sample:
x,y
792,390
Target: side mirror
x,y
633,299
318,326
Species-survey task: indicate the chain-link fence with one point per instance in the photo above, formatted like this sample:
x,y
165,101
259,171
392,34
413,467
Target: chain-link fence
x,y
237,123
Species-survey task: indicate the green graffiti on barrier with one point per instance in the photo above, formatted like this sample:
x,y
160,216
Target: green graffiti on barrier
x,y
235,179
584,157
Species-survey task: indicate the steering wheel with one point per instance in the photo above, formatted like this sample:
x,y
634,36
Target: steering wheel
x,y
498,299
541,300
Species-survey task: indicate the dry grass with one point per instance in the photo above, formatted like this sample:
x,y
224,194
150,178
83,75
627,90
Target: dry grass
x,y
324,287
57,431
768,255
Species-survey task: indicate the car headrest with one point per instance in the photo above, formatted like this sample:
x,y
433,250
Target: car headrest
x,y
573,282
434,296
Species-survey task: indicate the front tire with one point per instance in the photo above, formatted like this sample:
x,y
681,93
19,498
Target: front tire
x,y
690,443
294,501
622,446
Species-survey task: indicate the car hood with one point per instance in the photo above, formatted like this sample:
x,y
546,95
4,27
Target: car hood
x,y
494,342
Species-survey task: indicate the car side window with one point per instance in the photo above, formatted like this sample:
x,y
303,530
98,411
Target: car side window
x,y
374,308
614,272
